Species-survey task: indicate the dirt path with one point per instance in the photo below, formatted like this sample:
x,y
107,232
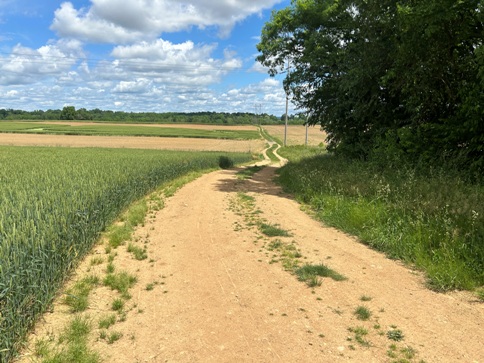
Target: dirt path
x,y
221,293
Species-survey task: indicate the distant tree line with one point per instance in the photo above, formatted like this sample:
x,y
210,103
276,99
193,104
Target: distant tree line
x,y
401,79
70,113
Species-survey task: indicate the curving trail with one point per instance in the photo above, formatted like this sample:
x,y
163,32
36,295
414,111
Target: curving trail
x,y
222,295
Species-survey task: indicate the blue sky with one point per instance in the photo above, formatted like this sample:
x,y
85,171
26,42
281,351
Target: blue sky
x,y
136,55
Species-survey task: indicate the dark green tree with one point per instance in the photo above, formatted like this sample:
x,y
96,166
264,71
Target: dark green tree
x,y
438,69
399,76
68,113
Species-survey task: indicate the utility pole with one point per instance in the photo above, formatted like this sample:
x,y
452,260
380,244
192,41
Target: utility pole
x,y
306,143
287,105
258,112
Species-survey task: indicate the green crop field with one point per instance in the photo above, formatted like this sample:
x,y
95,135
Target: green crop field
x,y
125,130
54,203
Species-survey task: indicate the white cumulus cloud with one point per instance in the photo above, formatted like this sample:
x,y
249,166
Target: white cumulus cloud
x,y
115,21
139,85
26,65
166,62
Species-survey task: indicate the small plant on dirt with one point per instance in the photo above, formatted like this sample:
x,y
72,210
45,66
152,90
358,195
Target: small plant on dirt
x,y
107,321
365,298
138,252
113,337
77,297
110,268
362,313
275,245
117,305
273,230
359,334
408,352
75,339
150,286
243,197
156,202
96,260
395,335
224,162
314,281
121,282
42,348
119,234
290,264
392,351
306,272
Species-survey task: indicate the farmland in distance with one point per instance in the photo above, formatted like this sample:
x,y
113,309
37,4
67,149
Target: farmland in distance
x,y
238,142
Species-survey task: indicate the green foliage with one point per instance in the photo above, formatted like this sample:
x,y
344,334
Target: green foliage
x,y
113,337
68,113
273,230
137,213
119,234
309,273
359,335
107,321
362,313
480,294
55,202
75,345
117,305
299,152
121,282
432,218
225,162
220,118
77,297
138,252
384,73
395,334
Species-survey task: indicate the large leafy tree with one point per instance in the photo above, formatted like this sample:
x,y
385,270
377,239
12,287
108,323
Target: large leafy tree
x,y
438,69
339,53
405,74
68,113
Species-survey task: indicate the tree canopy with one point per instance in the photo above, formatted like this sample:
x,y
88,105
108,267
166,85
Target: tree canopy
x,y
70,113
395,77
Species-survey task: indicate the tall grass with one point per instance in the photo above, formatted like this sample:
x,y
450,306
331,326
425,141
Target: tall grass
x,y
430,218
54,203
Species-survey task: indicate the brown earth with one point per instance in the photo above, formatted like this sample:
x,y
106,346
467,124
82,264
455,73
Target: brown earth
x,y
221,294
129,142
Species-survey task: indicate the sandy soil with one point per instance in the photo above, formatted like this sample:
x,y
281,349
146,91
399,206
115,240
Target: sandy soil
x,y
129,142
219,295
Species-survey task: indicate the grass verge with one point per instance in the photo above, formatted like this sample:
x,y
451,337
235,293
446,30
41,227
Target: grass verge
x,y
432,219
